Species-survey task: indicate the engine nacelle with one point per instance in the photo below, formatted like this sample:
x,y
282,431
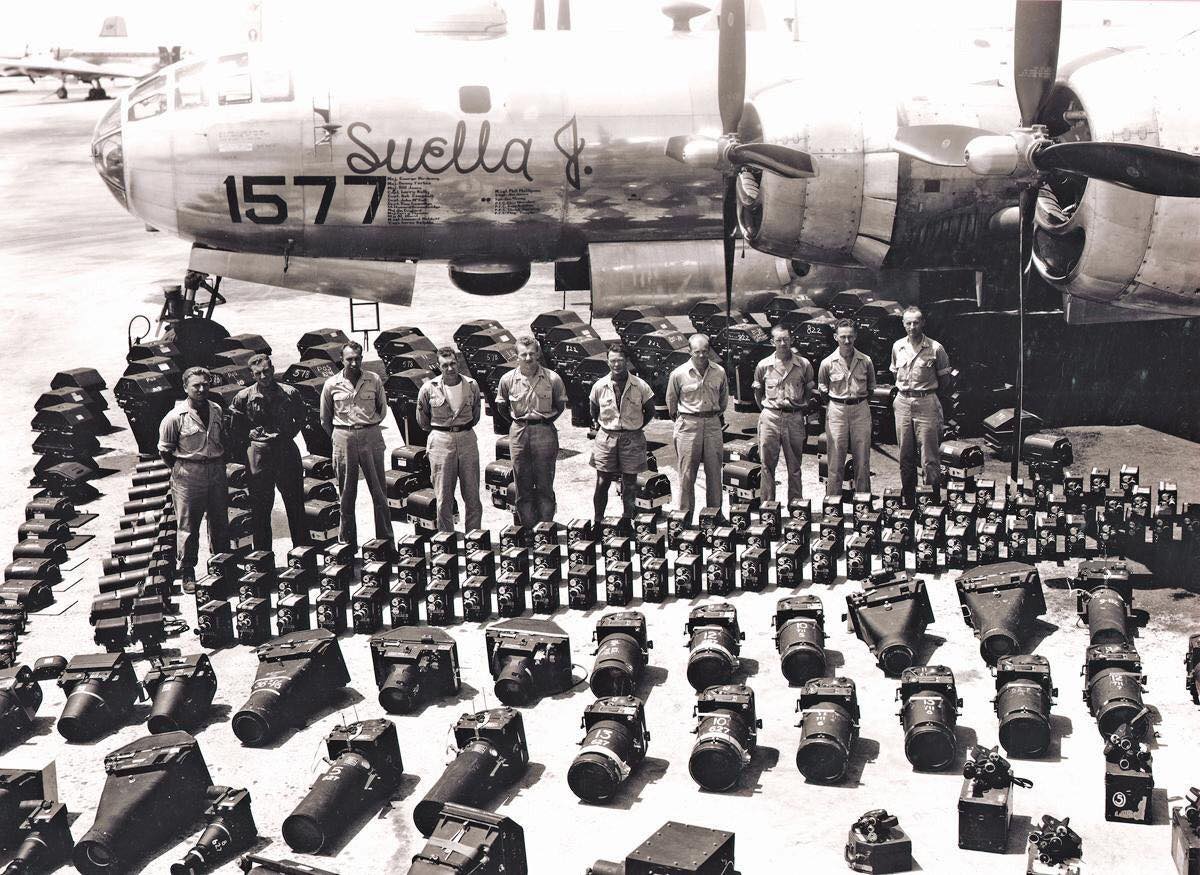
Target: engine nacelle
x,y
489,276
846,213
1108,244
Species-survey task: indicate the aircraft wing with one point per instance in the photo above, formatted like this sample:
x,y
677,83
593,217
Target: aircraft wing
x,y
81,70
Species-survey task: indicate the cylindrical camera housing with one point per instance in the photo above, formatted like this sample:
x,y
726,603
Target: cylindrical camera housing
x,y
619,665
329,804
713,656
726,736
929,714
466,781
613,746
1023,707
801,643
828,728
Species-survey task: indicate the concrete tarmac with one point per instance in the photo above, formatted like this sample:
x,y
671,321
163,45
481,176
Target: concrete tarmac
x,y
76,268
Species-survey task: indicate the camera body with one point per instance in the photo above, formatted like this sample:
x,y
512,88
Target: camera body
x,y
182,689
890,616
412,663
1024,694
929,706
828,724
20,696
1113,685
613,745
101,691
714,644
622,652
726,735
528,657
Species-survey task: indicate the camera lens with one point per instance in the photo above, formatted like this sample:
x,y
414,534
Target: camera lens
x,y
1024,711
1106,617
399,692
514,683
98,855
801,651
86,713
826,731
996,643
895,657
251,725
721,751
618,666
929,720
712,659
603,764
171,705
468,780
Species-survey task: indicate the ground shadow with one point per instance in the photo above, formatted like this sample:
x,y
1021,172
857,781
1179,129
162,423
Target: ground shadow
x,y
650,770
1060,728
927,648
965,738
1039,632
750,782
1019,828
348,827
533,773
748,667
215,714
40,726
653,676
834,660
864,750
1160,810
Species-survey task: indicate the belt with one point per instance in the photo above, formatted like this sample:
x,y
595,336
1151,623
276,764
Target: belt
x,y
620,430
847,401
916,393
220,460
356,427
533,422
705,415
450,428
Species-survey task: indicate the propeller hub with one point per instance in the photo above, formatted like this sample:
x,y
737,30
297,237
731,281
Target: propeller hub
x,y
993,155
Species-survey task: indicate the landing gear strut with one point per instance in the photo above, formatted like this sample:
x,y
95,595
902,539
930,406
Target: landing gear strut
x,y
189,324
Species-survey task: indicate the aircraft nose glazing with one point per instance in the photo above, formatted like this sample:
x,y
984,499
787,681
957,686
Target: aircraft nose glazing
x,y
108,153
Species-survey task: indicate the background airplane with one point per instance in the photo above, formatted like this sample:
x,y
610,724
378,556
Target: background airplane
x,y
113,57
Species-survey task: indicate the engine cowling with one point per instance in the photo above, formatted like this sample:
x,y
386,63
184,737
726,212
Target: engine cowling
x,y
1107,244
846,213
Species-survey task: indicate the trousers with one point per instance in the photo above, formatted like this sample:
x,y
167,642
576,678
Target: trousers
x,y
781,430
918,426
355,450
198,490
454,457
276,465
698,440
848,429
534,457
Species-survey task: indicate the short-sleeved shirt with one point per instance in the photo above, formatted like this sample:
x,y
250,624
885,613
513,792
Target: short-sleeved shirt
x,y
279,411
780,381
183,434
689,391
349,404
624,413
434,403
543,391
919,368
846,382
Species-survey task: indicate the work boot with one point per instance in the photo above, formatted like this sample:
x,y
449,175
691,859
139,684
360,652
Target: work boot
x,y
187,580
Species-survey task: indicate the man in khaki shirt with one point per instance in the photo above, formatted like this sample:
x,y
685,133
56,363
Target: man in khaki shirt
x,y
191,439
532,397
352,407
783,384
448,408
921,367
847,378
697,393
622,403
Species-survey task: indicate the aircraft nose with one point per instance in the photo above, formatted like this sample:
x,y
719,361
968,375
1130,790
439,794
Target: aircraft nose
x,y
108,154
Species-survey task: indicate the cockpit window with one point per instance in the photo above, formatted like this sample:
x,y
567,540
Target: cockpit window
x,y
474,98
233,80
148,99
189,87
274,85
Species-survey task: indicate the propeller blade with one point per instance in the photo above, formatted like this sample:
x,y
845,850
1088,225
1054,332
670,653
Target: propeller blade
x,y
693,151
1035,54
564,14
1148,169
944,145
729,238
731,63
784,160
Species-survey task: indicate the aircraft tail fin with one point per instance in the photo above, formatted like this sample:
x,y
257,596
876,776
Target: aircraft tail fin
x,y
114,25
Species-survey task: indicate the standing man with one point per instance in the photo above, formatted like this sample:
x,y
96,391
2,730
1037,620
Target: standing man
x,y
697,392
448,408
847,378
921,367
622,403
269,415
783,384
532,397
191,440
352,407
